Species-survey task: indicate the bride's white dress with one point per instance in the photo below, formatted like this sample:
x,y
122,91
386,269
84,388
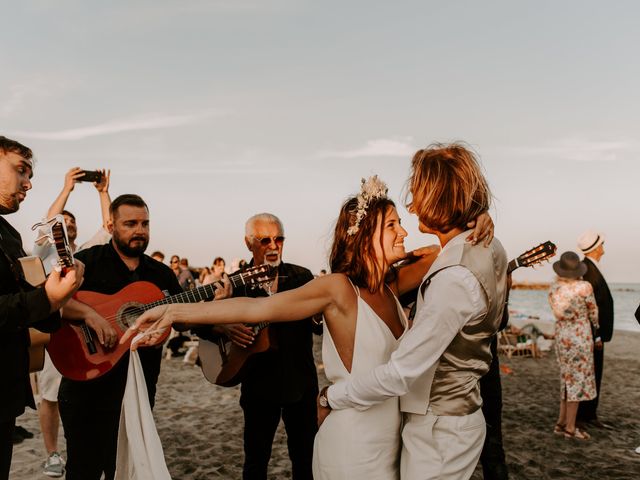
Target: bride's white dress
x,y
353,444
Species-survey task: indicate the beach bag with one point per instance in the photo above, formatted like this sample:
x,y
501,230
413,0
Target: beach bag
x,y
140,455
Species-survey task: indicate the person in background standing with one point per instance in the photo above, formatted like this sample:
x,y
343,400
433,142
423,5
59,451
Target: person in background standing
x,y
591,243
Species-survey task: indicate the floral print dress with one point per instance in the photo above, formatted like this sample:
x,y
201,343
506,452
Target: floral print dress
x,y
574,307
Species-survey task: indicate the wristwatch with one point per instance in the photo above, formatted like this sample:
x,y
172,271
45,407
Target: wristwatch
x,y
322,399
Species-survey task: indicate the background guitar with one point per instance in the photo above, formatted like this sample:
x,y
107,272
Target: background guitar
x,y
223,362
532,257
74,348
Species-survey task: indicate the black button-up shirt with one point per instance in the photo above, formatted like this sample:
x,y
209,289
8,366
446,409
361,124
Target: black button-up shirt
x,y
106,273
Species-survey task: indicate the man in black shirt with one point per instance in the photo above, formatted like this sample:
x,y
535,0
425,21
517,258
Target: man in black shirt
x,y
90,410
280,383
21,305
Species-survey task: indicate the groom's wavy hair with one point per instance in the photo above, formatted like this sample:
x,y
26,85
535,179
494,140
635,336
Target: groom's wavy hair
x,y
354,255
447,188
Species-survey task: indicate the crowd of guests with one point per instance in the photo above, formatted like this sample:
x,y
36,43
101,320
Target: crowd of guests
x,y
436,366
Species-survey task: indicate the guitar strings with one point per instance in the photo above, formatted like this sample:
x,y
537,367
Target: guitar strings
x,y
184,297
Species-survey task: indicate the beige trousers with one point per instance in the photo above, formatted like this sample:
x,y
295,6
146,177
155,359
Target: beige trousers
x,y
441,447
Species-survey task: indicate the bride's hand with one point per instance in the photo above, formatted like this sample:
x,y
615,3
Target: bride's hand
x,y
482,229
151,324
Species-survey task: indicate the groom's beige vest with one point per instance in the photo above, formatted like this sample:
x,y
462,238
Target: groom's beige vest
x,y
451,386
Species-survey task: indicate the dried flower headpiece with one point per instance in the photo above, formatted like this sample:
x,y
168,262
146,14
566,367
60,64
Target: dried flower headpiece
x,y
370,189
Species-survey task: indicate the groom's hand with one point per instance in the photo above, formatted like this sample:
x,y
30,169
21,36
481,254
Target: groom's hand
x,y
323,412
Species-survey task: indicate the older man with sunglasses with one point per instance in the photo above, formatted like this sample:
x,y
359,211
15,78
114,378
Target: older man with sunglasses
x,y
281,382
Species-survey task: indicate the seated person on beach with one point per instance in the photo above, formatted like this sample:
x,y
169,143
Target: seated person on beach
x,y
361,291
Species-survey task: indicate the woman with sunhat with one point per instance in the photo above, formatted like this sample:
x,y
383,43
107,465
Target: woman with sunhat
x,y
574,307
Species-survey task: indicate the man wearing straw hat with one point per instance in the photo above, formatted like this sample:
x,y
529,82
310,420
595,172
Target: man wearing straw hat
x,y
591,244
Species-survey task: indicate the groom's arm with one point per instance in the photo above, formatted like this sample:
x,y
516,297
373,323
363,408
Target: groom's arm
x,y
453,298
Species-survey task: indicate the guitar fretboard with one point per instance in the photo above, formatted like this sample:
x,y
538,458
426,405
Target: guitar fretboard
x,y
205,292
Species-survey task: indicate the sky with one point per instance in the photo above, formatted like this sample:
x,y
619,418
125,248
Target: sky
x,y
215,110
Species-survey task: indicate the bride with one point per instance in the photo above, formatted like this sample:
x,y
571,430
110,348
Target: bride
x,y
363,324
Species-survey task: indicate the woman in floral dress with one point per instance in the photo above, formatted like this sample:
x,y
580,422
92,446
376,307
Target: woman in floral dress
x,y
574,307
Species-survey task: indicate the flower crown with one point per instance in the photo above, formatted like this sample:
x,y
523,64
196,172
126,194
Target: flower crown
x,y
371,189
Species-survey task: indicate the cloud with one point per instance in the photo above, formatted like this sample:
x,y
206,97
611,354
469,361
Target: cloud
x,y
146,122
381,147
578,149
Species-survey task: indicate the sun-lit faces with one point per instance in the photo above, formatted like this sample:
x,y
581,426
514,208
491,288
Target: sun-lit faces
x,y
130,230
266,243
393,235
15,180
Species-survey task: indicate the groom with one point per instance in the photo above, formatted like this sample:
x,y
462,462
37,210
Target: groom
x,y
436,368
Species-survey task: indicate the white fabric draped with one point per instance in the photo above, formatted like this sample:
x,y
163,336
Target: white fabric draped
x,y
140,455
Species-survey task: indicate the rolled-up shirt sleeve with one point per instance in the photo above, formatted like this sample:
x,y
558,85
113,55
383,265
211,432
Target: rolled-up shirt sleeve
x,y
453,298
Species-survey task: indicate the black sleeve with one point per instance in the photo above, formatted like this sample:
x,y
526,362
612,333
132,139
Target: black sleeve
x,y
638,314
25,309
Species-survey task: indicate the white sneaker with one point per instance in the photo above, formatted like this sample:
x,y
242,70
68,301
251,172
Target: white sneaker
x,y
638,450
54,466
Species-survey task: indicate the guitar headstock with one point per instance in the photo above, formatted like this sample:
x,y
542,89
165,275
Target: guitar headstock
x,y
536,255
54,231
258,276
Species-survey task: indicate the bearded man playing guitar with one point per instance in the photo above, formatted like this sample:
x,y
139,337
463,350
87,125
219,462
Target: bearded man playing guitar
x,y
282,381
90,409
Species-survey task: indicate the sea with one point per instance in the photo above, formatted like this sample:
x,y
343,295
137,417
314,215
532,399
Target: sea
x,y
534,304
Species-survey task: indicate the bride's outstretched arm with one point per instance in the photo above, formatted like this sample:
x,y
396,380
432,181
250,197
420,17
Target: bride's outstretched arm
x,y
305,301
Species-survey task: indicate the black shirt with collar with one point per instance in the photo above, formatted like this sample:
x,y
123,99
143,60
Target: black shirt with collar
x,y
285,373
106,273
21,306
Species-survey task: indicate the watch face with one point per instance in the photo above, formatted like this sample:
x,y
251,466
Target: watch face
x,y
323,401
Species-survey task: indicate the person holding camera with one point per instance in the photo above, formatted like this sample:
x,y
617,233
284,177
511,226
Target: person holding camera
x,y
49,377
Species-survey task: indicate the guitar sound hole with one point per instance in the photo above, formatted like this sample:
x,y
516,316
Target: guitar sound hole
x,y
128,314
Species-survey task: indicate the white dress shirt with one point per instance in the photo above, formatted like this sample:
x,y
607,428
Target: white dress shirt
x,y
453,298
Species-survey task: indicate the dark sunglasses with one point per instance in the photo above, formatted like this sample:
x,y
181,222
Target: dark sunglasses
x,y
264,241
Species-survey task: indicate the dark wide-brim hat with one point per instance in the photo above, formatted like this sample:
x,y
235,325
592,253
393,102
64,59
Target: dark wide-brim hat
x,y
570,266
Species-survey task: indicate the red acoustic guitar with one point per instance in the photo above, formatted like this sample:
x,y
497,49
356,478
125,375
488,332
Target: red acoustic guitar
x,y
74,348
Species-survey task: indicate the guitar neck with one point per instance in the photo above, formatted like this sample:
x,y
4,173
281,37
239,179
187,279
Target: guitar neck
x,y
513,264
205,292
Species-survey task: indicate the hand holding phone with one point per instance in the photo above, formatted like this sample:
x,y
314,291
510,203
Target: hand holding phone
x,y
90,176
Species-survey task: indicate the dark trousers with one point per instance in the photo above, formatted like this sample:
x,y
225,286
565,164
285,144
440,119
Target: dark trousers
x,y
92,440
261,419
6,447
492,457
587,409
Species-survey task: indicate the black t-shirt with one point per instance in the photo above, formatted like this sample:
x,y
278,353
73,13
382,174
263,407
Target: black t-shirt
x,y
284,374
106,273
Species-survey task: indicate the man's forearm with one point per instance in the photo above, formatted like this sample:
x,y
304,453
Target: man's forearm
x,y
105,203
59,203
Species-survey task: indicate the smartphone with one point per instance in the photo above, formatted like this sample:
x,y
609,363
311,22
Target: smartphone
x,y
90,176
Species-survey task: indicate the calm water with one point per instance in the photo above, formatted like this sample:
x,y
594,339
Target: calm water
x,y
626,297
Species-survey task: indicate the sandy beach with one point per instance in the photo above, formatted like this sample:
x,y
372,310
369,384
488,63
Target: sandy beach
x,y
200,424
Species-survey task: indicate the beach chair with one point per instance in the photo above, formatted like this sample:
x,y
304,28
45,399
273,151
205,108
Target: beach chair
x,y
516,345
